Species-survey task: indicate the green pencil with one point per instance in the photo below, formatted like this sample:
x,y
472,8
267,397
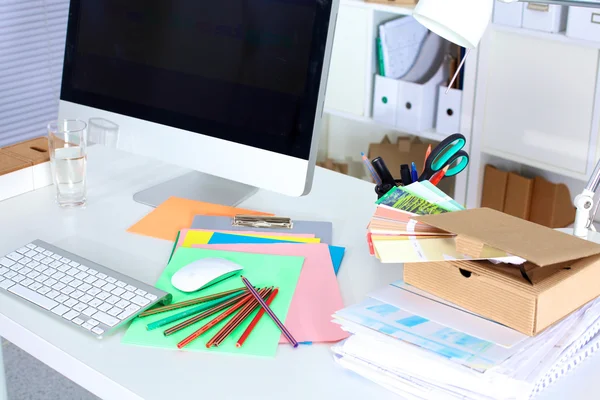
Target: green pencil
x,y
191,311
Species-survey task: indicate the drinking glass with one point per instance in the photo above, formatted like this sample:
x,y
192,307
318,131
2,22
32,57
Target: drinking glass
x,y
67,146
103,132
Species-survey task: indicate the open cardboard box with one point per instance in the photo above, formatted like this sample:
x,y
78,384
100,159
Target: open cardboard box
x,y
562,272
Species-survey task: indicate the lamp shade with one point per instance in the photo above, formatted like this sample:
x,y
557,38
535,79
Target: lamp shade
x,y
459,21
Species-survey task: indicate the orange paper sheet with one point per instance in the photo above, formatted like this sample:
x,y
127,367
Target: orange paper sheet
x,y
176,214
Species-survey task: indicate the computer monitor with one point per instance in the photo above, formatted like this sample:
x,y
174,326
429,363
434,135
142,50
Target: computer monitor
x,y
233,89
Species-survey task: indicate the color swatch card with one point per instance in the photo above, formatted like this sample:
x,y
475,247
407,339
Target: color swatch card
x,y
400,199
262,270
317,295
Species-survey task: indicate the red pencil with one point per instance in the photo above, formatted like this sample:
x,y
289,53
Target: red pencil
x,y
426,157
439,176
257,317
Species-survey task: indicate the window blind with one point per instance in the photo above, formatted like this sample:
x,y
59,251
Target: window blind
x,y
32,42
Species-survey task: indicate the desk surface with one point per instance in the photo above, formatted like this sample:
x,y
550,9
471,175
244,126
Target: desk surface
x,y
112,370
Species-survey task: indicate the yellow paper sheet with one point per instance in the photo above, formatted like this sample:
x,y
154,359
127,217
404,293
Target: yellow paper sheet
x,y
199,237
175,214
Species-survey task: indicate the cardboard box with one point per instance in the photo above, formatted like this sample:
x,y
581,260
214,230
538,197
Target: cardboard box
x,y
519,191
560,276
329,164
34,151
405,151
551,204
494,188
15,175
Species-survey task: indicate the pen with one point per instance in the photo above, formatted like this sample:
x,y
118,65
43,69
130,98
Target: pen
x,y
376,177
405,174
414,173
383,172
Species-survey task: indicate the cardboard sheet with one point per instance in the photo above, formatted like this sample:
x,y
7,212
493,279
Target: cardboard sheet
x,y
176,214
317,295
262,270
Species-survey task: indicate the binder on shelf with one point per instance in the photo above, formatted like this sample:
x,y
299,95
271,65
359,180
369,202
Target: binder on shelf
x,y
545,17
448,111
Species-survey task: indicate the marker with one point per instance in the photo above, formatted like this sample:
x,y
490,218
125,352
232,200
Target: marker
x,y
414,173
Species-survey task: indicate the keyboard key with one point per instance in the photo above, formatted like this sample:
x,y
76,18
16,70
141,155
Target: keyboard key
x,y
131,288
35,286
140,301
81,276
7,283
55,264
140,292
33,274
98,331
58,275
65,260
84,287
122,303
89,311
128,295
61,298
90,279
18,267
44,290
110,279
103,295
112,300
105,318
59,286
114,311
118,291
77,321
121,284
25,260
47,260
77,294
48,253
38,257
38,268
64,268
70,315
74,264
3,270
92,271
52,294
67,279
41,278
30,246
49,271
93,291
26,282
80,307
67,290
72,272
87,326
130,310
25,270
14,256
95,303
50,282
10,274
86,298
108,287
18,278
32,296
76,283
60,309
105,307
23,250
70,303
31,254
100,275
93,322
82,268
6,262
40,249
56,256
34,264
99,283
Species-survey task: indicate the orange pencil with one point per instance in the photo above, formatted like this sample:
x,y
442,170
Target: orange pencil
x,y
426,157
257,317
439,176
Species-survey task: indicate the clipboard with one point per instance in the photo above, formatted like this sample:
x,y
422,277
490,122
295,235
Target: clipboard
x,y
321,229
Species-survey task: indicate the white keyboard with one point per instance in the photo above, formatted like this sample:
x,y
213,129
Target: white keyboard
x,y
84,294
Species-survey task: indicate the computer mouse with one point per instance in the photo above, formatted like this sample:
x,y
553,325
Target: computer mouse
x,y
203,273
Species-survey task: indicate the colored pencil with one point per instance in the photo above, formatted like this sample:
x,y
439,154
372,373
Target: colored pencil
x,y
435,179
370,168
195,310
188,303
214,322
427,154
237,319
207,313
270,312
255,320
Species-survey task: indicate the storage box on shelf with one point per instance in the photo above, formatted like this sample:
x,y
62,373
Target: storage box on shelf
x,y
448,111
545,17
508,14
583,23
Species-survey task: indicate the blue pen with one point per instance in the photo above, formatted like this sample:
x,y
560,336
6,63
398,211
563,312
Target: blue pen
x,y
414,173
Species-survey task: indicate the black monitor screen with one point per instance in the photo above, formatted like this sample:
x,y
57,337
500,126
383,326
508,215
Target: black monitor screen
x,y
246,71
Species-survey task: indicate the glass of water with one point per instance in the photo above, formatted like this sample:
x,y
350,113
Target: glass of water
x,y
67,146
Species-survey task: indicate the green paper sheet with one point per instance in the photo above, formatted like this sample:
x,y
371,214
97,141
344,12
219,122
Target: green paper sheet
x,y
262,270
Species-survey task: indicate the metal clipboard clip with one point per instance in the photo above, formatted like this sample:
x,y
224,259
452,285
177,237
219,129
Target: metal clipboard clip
x,y
261,221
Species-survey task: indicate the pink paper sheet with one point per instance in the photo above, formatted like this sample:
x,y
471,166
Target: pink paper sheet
x,y
317,295
184,232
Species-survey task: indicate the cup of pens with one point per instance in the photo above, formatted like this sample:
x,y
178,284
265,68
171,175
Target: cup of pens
x,y
238,304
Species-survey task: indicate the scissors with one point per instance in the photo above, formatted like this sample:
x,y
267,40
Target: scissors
x,y
448,153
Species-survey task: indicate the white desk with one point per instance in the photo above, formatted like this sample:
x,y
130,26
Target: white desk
x,y
112,370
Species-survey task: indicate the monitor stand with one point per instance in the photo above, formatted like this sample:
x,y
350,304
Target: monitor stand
x,y
197,186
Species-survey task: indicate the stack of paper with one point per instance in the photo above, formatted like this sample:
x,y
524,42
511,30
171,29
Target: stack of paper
x,y
423,347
